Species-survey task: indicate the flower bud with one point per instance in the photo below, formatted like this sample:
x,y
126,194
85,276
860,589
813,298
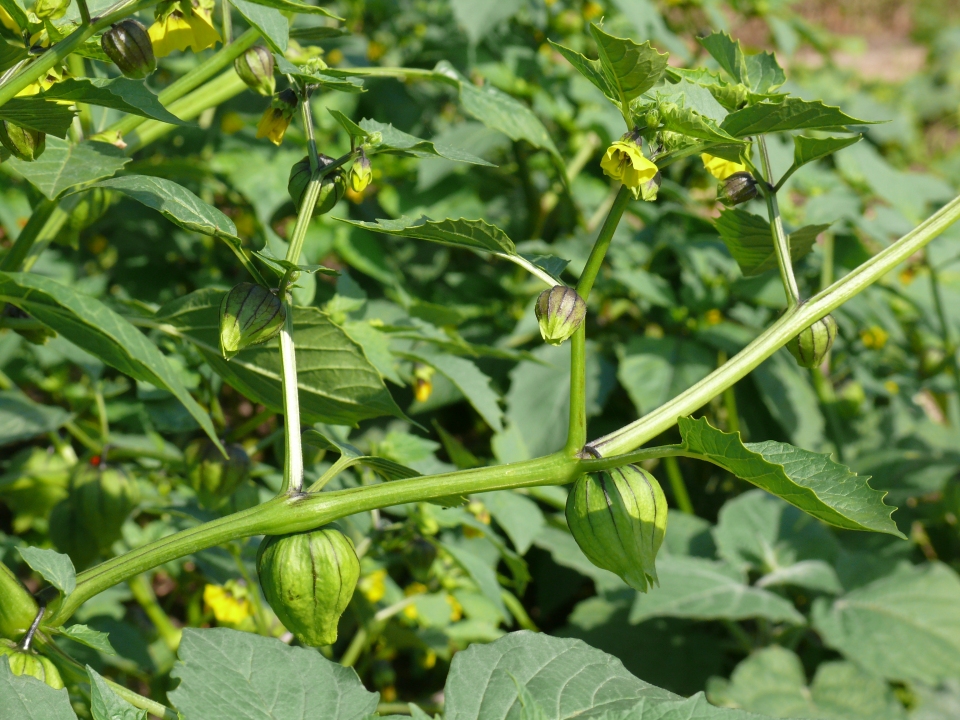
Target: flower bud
x,y
652,119
249,315
618,518
28,662
419,556
23,143
212,476
560,311
276,118
360,174
255,68
51,9
649,189
737,188
331,189
811,346
308,579
128,45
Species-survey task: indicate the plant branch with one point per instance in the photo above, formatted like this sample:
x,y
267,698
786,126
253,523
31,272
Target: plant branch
x,y
600,245
577,425
781,243
787,327
293,449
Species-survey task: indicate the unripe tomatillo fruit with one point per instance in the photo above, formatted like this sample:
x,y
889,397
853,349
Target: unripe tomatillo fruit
x,y
811,346
255,68
27,662
249,315
128,45
17,606
308,579
736,189
331,189
23,143
618,518
560,311
212,476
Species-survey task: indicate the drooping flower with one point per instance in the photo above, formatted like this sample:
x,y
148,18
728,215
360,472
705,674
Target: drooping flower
x,y
179,28
720,168
625,161
276,118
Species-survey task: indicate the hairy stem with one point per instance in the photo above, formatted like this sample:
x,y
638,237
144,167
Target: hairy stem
x,y
602,243
781,244
577,425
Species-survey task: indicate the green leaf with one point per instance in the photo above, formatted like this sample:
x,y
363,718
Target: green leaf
x,y
789,114
399,142
92,326
388,468
566,553
687,121
296,7
790,398
21,418
481,573
337,383
56,568
519,516
903,627
773,682
272,24
64,165
478,19
229,675
129,96
808,480
700,589
630,69
328,78
88,636
176,203
748,238
565,676
500,111
807,149
468,378
592,70
40,115
26,698
353,130
654,370
105,704
760,72
472,234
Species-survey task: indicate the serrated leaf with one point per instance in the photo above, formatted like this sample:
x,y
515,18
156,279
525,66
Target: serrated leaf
x,y
40,115
129,96
903,627
86,635
337,383
630,69
468,378
26,698
56,568
105,704
760,72
21,418
590,69
689,122
271,22
296,7
810,481
807,150
472,234
393,140
176,203
700,589
789,114
353,130
748,238
328,78
229,675
92,326
64,165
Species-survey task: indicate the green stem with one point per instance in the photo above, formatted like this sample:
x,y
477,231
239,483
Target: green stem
x,y
679,488
45,217
293,449
577,426
729,399
781,244
788,326
55,54
352,653
949,346
203,72
599,251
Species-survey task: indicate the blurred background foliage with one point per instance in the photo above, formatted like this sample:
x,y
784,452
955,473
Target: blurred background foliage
x,y
767,609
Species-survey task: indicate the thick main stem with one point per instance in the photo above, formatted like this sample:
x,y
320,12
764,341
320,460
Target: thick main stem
x,y
781,243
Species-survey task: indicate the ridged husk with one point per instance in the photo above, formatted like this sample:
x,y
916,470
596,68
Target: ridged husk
x,y
308,579
331,190
128,44
249,315
23,143
255,68
618,518
27,662
811,346
560,311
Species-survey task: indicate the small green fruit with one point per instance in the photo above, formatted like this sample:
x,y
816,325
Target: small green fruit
x,y
128,45
736,189
249,315
560,311
27,662
811,346
255,68
331,189
308,579
23,143
51,9
17,606
212,476
618,518
360,174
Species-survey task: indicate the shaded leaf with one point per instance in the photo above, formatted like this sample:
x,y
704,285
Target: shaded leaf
x,y
393,140
789,114
590,69
759,72
41,115
86,635
56,568
26,698
807,149
748,238
21,418
654,370
388,468
64,165
296,7
129,96
105,704
481,573
271,22
470,381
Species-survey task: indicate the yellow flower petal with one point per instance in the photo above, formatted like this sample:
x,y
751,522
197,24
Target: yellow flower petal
x,y
718,167
171,33
204,34
226,608
625,161
273,125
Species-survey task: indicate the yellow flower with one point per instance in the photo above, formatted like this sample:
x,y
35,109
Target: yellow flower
x,y
231,123
714,316
227,608
718,167
273,125
456,609
429,659
8,22
625,161
874,337
422,375
410,612
374,585
891,387
176,32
